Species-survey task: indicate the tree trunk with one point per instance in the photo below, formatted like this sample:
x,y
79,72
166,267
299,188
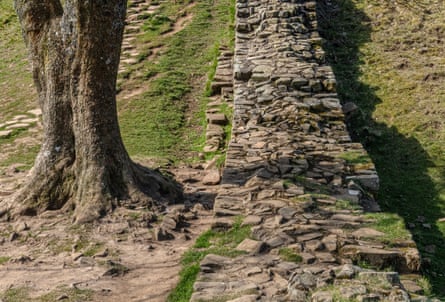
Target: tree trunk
x,y
82,165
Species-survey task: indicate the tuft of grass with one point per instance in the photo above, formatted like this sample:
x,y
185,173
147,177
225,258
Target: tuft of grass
x,y
183,291
210,242
288,254
425,284
93,249
69,294
391,224
203,241
18,294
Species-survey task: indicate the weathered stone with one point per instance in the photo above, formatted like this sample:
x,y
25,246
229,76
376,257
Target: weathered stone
x,y
309,236
212,178
348,271
413,260
252,220
330,243
366,233
36,112
322,296
391,278
21,226
222,224
305,281
161,234
412,287
308,258
351,292
369,298
214,261
17,126
216,119
247,298
377,257
252,246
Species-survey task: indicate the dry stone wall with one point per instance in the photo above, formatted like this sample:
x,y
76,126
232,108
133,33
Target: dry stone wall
x,y
295,175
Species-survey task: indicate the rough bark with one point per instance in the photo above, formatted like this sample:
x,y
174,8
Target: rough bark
x,y
82,165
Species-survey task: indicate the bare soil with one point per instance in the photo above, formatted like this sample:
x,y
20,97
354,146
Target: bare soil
x,y
117,258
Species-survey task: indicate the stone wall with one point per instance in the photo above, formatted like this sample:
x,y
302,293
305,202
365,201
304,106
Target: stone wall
x,y
295,175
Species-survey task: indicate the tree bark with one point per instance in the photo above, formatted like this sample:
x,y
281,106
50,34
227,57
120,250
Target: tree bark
x,y
82,165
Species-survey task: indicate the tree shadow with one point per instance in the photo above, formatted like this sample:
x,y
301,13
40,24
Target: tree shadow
x,y
401,162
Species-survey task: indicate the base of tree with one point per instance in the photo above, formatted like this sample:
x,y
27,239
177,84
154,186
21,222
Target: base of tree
x,y
95,197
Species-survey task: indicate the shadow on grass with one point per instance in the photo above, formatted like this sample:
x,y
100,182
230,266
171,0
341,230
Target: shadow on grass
x,y
401,162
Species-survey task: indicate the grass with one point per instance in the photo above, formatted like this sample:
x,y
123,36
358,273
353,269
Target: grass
x,y
21,294
391,224
158,122
388,59
154,124
16,92
210,242
287,254
352,157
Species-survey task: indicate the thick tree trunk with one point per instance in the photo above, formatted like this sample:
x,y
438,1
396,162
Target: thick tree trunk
x,y
82,165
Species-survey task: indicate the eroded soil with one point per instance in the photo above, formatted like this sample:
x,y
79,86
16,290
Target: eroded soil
x,y
115,259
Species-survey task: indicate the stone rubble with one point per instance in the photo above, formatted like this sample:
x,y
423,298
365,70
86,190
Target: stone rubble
x,y
295,175
222,93
28,121
136,14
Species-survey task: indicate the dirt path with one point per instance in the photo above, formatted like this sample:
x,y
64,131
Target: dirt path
x,y
117,259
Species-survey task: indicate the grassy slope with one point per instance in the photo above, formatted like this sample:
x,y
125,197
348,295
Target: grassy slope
x,y
16,90
154,124
389,59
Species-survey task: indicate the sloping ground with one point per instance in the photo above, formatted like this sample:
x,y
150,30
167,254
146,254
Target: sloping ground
x,y
389,59
297,180
165,56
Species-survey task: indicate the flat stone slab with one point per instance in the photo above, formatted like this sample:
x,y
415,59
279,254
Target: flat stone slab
x,y
250,246
216,119
17,126
5,133
212,178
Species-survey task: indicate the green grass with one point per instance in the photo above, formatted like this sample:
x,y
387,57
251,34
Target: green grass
x,y
154,123
355,157
210,242
17,94
21,294
388,58
288,254
4,259
15,295
158,122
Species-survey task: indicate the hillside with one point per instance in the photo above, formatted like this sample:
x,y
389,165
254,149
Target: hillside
x,y
389,61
